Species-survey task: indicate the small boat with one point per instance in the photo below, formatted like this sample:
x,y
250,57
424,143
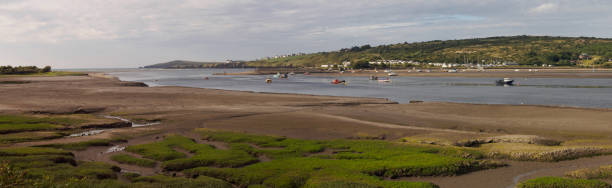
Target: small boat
x,y
336,81
392,74
452,70
277,75
372,77
505,81
384,80
268,81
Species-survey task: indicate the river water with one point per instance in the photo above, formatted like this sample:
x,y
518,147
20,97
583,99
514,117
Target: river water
x,y
579,92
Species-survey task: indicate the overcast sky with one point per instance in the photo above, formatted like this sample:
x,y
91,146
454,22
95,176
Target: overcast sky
x,y
132,33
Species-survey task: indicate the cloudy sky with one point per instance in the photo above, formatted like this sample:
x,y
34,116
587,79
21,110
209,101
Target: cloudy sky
x,y
132,33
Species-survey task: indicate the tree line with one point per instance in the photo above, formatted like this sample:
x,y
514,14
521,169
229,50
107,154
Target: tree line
x,y
23,69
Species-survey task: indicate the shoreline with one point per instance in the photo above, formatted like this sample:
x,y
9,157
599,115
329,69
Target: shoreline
x,y
104,75
469,73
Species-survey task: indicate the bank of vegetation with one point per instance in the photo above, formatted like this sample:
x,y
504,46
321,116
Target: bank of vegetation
x,y
523,50
24,69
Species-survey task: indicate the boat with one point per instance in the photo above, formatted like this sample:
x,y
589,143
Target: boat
x,y
392,74
268,81
336,81
372,77
384,80
505,81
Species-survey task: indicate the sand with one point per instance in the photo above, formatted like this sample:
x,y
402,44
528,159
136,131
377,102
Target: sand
x,y
182,109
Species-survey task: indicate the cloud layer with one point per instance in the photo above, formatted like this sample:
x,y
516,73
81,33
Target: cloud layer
x,y
130,33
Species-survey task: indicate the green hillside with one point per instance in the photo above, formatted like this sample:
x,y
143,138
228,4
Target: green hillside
x,y
180,64
524,50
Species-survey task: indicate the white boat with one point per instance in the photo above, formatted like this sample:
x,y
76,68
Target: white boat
x,y
392,74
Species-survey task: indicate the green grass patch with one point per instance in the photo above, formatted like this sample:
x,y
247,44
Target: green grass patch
x,y
54,73
181,182
352,163
603,172
531,152
48,167
203,155
128,159
78,146
20,123
28,136
24,151
13,128
557,182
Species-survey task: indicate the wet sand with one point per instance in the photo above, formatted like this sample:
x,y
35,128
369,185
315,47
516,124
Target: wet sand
x,y
182,109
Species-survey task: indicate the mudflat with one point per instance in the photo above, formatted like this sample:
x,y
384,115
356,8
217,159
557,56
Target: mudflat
x,y
181,110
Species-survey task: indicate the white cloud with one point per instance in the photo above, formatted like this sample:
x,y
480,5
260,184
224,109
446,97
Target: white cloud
x,y
545,8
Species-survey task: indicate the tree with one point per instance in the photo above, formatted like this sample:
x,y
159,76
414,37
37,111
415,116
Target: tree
x,y
361,64
46,69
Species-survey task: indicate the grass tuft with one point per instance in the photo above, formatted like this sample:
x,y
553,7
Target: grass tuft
x,y
128,159
557,182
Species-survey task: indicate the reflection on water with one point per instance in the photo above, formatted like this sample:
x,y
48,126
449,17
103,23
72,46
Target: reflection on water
x,y
538,91
523,85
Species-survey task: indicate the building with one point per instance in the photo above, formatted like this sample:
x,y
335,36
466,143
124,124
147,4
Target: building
x,y
346,64
584,56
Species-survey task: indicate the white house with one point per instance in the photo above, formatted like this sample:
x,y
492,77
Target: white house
x,y
346,63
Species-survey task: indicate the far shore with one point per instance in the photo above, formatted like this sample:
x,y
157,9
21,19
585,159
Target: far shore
x,y
473,73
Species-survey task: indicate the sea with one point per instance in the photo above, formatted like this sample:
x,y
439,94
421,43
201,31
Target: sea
x,y
571,92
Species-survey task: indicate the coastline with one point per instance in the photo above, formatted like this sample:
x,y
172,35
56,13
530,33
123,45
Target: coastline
x,y
488,73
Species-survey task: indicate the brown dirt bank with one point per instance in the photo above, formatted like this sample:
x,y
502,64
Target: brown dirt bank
x,y
508,177
184,108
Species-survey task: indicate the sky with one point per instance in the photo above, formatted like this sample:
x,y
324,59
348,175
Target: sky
x,y
133,33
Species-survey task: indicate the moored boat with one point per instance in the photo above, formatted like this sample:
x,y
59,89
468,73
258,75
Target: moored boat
x,y
505,81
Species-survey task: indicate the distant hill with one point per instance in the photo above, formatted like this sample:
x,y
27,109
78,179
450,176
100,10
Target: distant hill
x,y
524,50
180,64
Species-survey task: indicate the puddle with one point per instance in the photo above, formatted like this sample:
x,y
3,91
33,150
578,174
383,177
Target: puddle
x,y
116,117
144,125
133,124
87,133
129,171
115,149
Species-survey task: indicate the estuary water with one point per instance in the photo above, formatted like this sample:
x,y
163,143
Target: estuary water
x,y
578,92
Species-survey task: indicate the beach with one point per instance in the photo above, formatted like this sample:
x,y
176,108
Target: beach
x,y
181,110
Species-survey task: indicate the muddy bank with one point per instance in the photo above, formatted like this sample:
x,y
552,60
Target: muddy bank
x,y
508,177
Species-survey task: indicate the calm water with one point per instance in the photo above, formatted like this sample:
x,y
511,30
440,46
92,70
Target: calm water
x,y
595,93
